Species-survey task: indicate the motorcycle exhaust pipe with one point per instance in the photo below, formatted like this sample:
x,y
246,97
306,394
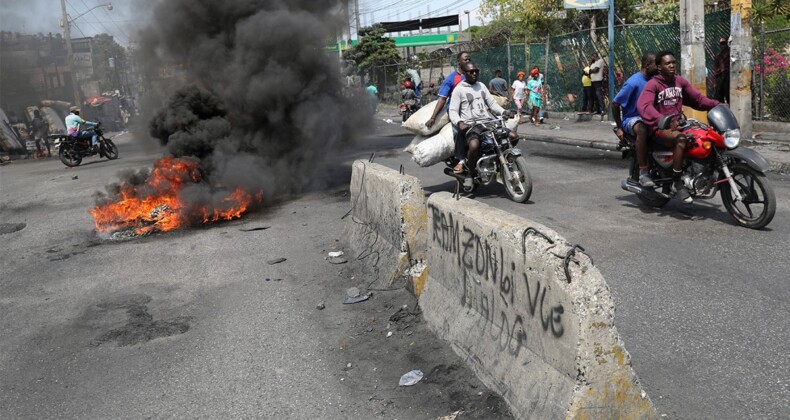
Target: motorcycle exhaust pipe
x,y
630,187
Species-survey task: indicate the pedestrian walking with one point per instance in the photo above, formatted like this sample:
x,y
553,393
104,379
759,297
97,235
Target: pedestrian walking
x,y
40,130
373,96
535,88
518,92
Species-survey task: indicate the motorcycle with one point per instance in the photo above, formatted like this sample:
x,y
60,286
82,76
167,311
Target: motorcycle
x,y
408,107
73,149
712,162
500,160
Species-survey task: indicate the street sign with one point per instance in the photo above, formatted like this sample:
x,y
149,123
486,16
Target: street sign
x,y
586,4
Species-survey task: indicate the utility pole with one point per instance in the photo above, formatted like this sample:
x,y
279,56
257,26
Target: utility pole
x,y
69,53
741,65
356,16
692,49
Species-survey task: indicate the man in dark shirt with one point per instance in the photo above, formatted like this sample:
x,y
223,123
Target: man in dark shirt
x,y
40,130
721,72
498,86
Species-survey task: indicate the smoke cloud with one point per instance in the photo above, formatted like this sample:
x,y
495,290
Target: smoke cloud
x,y
263,107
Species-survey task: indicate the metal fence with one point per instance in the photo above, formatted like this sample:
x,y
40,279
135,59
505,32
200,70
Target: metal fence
x,y
561,60
771,81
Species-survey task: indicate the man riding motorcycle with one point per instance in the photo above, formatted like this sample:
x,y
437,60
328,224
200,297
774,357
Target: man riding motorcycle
x,y
74,125
472,101
627,118
663,95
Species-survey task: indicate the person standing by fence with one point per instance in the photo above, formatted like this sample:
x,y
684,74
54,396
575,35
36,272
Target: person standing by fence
x,y
596,76
588,93
721,72
498,86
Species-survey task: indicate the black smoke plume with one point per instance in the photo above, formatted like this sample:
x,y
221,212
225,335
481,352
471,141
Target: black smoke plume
x,y
262,107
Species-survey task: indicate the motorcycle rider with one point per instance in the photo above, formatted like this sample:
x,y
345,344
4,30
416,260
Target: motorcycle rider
x,y
75,124
666,94
448,85
629,121
471,101
408,94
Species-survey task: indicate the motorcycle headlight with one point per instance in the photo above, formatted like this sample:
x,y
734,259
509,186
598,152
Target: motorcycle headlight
x,y
732,138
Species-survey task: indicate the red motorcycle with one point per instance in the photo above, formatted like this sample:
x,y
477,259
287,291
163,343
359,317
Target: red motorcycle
x,y
712,162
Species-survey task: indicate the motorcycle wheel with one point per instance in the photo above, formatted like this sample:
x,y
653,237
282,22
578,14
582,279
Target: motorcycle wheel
x,y
755,190
69,157
519,195
109,149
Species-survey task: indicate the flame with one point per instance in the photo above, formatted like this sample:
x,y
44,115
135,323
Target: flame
x,y
156,206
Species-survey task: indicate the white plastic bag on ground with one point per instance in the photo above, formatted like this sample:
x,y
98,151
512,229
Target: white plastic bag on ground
x,y
416,123
435,148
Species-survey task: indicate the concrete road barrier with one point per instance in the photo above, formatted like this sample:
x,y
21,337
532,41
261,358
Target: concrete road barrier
x,y
388,223
529,312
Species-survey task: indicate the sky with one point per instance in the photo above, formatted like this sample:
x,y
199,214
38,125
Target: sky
x,y
34,16
372,11
127,16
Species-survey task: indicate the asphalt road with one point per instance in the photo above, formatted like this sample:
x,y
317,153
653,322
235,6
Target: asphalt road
x,y
702,304
197,323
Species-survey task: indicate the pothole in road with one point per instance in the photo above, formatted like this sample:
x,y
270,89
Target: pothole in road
x,y
11,227
140,326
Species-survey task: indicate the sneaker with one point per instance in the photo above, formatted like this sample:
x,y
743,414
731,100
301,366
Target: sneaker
x,y
459,168
646,181
681,192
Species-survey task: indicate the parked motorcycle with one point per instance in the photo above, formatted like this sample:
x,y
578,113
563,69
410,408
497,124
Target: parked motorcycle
x,y
500,160
712,162
73,149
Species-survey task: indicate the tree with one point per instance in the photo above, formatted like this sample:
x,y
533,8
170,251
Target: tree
x,y
104,48
373,49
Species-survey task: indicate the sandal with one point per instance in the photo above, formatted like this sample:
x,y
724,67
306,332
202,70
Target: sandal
x,y
459,168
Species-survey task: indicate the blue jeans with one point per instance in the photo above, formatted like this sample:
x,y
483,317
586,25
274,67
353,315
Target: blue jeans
x,y
88,134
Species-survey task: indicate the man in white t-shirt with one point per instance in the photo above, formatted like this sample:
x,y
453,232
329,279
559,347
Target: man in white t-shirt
x,y
596,76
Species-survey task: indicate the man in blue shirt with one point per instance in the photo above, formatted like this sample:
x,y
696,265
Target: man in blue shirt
x,y
629,121
448,84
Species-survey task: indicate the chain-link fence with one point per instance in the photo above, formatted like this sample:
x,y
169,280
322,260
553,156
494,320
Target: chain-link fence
x,y
771,81
562,58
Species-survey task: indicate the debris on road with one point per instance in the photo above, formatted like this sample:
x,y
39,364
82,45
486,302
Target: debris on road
x,y
411,378
352,300
389,334
75,177
254,229
275,261
335,254
451,416
320,306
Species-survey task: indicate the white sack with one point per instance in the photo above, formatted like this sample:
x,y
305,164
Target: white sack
x,y
436,148
414,142
416,123
501,100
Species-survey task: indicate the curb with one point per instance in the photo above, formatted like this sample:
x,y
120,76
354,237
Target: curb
x,y
774,166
